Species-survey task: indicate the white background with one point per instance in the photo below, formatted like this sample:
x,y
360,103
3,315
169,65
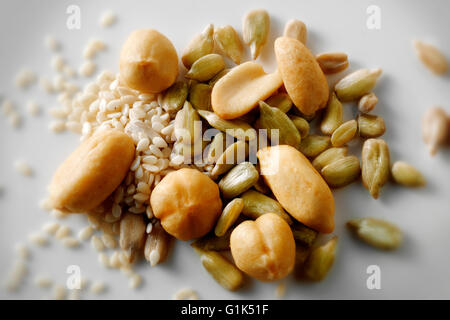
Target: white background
x,y
420,269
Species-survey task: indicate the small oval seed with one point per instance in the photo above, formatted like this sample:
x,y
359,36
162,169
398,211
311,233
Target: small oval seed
x,y
174,97
256,28
296,29
341,172
376,232
200,96
216,148
370,126
344,133
238,180
320,260
229,215
301,124
201,45
332,62
234,154
431,57
328,156
405,174
206,67
367,102
314,144
187,125
435,128
333,117
228,41
357,84
375,161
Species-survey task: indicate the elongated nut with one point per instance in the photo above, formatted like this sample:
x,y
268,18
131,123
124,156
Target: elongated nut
x,y
238,180
200,96
264,248
376,232
344,133
173,98
214,243
274,118
329,156
367,103
92,172
229,215
370,126
255,29
187,202
229,42
256,204
234,154
332,62
301,124
320,260
375,162
223,271
303,79
357,84
280,101
341,172
157,245
435,128
187,126
240,90
333,117
235,128
431,57
298,187
216,148
304,235
206,67
314,145
132,235
405,174
296,29
201,45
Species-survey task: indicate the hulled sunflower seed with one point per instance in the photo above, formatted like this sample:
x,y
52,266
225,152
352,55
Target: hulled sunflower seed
x,y
214,243
320,260
274,118
234,154
256,204
187,125
235,128
229,215
229,42
332,62
328,156
333,115
301,124
281,101
201,45
132,235
435,128
341,172
375,161
173,98
357,84
200,96
344,133
157,245
206,67
304,235
256,28
370,126
296,29
216,148
314,145
238,180
376,232
431,57
224,272
367,103
405,174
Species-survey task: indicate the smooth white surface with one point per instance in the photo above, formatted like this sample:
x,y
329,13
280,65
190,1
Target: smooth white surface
x,y
406,89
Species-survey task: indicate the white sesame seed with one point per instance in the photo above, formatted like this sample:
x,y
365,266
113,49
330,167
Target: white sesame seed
x,y
98,287
97,243
57,63
109,241
38,239
85,233
25,78
70,242
114,260
42,281
57,126
154,258
87,69
7,107
22,251
23,168
58,214
51,43
15,119
50,227
135,281
45,204
103,259
74,294
63,231
107,19
149,227
149,212
33,108
185,294
59,292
